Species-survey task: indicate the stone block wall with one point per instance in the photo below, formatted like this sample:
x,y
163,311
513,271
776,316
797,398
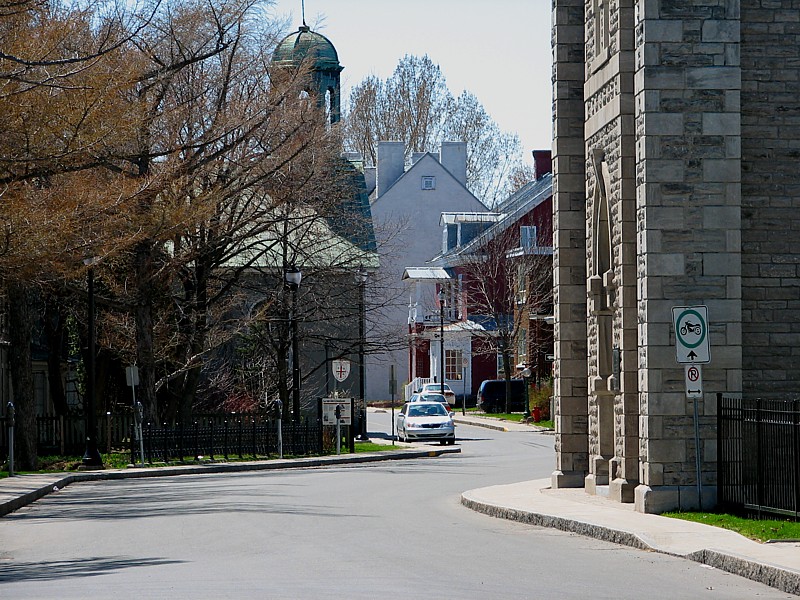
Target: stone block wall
x,y
770,98
688,202
569,244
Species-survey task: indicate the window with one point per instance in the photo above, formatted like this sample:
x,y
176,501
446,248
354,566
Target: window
x,y
522,284
452,364
527,237
522,346
428,182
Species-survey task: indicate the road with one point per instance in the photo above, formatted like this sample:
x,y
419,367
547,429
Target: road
x,y
392,529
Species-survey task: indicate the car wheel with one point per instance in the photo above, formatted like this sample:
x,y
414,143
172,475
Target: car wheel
x,y
451,442
442,442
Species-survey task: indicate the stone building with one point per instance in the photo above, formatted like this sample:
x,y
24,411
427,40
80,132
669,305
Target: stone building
x,y
675,184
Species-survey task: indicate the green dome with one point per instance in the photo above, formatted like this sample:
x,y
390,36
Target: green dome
x,y
306,44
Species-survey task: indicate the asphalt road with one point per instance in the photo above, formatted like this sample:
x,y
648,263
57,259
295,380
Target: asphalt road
x,y
393,529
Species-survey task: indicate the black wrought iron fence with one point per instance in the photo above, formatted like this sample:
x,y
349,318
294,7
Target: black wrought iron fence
x,y
759,455
217,437
209,435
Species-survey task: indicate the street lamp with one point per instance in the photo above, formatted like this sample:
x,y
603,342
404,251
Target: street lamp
x,y
91,456
361,279
526,373
292,276
441,338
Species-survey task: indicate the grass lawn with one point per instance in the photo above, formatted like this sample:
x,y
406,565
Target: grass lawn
x,y
761,531
116,460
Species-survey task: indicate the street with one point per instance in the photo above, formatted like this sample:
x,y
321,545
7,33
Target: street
x,y
389,529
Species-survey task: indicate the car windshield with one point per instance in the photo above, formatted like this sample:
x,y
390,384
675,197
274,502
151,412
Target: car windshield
x,y
435,387
427,410
432,398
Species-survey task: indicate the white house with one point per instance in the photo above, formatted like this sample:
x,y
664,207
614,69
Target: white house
x,y
406,207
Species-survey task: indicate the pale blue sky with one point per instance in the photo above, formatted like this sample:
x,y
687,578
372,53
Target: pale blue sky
x,y
497,49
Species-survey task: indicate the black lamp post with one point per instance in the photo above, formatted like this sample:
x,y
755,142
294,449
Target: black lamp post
x,y
91,456
526,377
292,276
361,279
441,338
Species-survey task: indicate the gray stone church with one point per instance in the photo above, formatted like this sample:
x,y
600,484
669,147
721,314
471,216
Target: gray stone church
x,y
676,184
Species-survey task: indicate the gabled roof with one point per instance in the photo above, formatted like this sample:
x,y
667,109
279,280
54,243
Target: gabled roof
x,y
511,210
427,156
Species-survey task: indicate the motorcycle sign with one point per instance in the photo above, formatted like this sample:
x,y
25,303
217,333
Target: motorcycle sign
x,y
691,334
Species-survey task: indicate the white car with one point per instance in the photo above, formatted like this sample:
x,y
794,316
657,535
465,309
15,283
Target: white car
x,y
425,421
430,398
436,388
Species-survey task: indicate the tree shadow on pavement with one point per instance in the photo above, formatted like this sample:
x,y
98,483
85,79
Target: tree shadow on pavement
x,y
83,567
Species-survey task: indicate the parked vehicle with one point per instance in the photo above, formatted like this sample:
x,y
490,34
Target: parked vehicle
x,y
425,421
436,388
430,398
492,396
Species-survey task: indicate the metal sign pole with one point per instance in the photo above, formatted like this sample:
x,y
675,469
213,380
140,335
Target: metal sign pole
x,y
697,456
10,439
392,387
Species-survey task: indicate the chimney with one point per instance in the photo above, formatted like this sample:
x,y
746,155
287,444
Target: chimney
x,y
542,163
391,165
453,156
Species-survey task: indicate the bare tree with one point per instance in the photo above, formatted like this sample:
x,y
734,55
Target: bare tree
x,y
507,283
415,106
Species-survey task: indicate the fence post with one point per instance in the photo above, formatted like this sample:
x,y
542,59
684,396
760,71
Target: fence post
x,y
796,437
241,450
759,491
225,440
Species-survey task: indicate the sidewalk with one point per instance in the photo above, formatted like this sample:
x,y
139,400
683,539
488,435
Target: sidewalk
x,y
534,502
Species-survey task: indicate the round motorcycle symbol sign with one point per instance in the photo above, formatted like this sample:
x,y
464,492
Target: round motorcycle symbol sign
x,y
691,330
691,334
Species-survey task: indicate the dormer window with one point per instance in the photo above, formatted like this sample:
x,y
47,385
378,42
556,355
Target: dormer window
x,y
428,182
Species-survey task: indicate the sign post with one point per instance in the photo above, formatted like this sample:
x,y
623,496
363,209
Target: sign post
x,y
693,349
132,379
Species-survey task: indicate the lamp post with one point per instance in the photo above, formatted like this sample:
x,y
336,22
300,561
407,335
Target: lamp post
x,y
91,456
441,338
292,276
526,374
361,279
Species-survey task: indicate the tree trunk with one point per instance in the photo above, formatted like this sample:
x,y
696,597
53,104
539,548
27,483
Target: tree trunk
x,y
21,317
143,315
54,328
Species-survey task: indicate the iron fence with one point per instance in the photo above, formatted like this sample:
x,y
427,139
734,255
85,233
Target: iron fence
x,y
218,437
759,455
209,435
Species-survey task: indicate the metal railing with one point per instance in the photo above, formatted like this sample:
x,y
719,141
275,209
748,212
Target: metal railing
x,y
759,455
215,438
213,435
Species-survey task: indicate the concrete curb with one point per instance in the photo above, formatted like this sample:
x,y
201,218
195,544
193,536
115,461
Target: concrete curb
x,y
458,421
59,481
770,575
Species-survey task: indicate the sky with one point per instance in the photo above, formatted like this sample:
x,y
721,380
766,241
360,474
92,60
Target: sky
x,y
497,49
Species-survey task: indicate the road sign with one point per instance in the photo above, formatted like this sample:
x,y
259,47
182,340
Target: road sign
x,y
691,334
694,381
329,411
341,369
132,375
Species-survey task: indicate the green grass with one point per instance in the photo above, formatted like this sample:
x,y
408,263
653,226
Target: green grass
x,y
373,447
750,528
116,460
